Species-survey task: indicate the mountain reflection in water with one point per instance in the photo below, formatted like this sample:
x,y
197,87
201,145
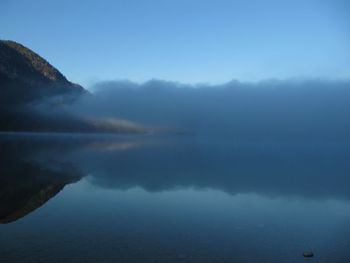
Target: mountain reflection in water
x,y
217,200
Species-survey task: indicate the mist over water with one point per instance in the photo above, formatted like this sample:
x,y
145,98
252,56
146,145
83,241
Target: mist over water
x,y
223,170
269,110
244,172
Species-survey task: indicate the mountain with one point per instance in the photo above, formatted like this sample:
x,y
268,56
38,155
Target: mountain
x,y
32,93
26,77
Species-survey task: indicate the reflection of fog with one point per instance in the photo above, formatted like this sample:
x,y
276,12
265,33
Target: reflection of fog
x,y
35,168
306,170
114,146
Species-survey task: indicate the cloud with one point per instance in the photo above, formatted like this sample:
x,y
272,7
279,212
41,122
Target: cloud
x,y
268,110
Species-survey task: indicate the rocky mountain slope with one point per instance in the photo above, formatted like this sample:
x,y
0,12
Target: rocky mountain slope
x,y
28,80
27,77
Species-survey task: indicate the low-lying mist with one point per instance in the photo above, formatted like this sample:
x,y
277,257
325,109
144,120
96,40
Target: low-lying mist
x,y
268,110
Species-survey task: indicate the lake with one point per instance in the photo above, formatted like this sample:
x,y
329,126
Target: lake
x,y
184,198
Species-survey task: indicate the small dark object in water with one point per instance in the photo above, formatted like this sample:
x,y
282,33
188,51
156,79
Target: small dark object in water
x,y
308,254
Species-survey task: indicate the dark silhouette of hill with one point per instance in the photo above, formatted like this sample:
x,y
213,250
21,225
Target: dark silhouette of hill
x,y
26,77
33,93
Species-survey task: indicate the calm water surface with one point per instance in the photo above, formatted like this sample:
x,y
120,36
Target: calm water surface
x,y
86,198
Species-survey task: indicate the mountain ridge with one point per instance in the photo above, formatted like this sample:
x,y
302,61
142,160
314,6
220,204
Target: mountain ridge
x,y
38,63
30,76
27,81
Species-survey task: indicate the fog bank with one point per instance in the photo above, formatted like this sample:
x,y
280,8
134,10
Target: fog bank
x,y
268,110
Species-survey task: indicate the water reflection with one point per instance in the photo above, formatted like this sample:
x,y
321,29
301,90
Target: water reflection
x,y
170,199
36,167
26,181
318,171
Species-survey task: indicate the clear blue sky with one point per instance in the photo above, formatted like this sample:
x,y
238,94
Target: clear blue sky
x,y
189,41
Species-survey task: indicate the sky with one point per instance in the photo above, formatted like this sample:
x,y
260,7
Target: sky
x,y
189,41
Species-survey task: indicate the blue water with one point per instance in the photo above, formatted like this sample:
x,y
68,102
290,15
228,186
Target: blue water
x,y
172,199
